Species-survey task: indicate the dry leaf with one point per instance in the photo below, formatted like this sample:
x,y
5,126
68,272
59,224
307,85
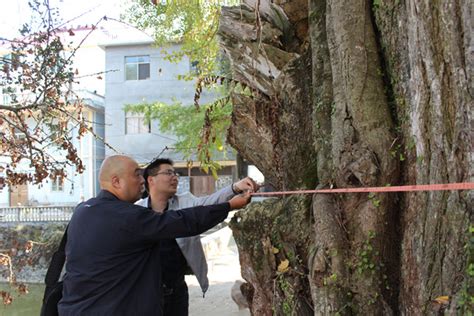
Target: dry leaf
x,y
443,300
275,250
283,266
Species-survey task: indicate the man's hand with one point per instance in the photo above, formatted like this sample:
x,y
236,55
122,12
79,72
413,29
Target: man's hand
x,y
239,201
244,185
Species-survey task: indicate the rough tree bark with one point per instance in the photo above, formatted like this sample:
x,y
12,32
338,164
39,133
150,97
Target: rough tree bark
x,y
428,51
347,95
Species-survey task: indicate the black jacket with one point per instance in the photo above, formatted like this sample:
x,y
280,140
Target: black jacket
x,y
112,261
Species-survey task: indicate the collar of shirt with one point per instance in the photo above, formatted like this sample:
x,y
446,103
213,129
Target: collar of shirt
x,y
104,194
167,204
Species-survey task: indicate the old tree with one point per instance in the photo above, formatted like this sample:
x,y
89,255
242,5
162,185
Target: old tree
x,y
349,94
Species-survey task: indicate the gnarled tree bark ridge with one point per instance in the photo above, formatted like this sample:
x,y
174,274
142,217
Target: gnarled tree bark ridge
x,y
366,93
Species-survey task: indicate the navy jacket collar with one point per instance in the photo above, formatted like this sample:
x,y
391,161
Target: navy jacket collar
x,y
106,195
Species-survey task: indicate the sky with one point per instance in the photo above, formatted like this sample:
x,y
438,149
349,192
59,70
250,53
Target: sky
x,y
15,13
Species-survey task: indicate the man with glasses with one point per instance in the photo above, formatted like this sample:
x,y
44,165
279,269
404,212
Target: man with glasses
x,y
113,245
161,182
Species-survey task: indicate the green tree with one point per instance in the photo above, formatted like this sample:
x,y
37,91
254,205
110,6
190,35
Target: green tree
x,y
199,130
194,25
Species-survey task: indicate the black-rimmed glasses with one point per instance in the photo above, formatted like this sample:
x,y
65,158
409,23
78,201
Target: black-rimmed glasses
x,y
169,173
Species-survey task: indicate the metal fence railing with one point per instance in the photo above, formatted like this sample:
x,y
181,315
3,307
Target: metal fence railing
x,y
36,214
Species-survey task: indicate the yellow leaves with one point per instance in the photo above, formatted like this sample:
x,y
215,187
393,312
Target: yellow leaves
x,y
442,300
283,266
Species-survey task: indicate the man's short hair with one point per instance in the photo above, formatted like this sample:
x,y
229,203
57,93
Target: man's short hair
x,y
153,166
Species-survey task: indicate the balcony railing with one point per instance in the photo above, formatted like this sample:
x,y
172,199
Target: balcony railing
x,y
36,214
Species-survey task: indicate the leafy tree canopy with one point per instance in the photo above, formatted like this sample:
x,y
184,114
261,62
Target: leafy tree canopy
x,y
199,130
194,25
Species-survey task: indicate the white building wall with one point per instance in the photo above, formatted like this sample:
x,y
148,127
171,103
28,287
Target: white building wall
x,y
89,60
4,198
77,187
162,85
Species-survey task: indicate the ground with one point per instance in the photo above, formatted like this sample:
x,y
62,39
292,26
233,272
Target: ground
x,y
224,270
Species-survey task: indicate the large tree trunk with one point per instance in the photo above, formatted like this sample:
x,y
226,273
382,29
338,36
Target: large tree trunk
x,y
428,49
348,95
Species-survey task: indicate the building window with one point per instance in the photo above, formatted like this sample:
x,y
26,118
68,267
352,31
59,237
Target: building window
x,y
57,185
137,67
19,135
7,95
135,124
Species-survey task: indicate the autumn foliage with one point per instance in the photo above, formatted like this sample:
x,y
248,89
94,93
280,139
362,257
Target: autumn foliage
x,y
40,115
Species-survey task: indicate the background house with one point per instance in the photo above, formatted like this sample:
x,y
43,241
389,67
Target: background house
x,y
75,187
134,71
137,72
89,87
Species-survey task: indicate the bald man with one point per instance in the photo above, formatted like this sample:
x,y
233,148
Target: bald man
x,y
112,250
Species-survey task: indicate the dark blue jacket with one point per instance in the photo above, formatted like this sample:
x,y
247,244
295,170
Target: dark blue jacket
x,y
112,261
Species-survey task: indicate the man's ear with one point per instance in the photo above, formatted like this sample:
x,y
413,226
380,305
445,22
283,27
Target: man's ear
x,y
149,180
116,182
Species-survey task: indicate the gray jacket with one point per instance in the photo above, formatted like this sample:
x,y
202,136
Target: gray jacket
x,y
191,247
